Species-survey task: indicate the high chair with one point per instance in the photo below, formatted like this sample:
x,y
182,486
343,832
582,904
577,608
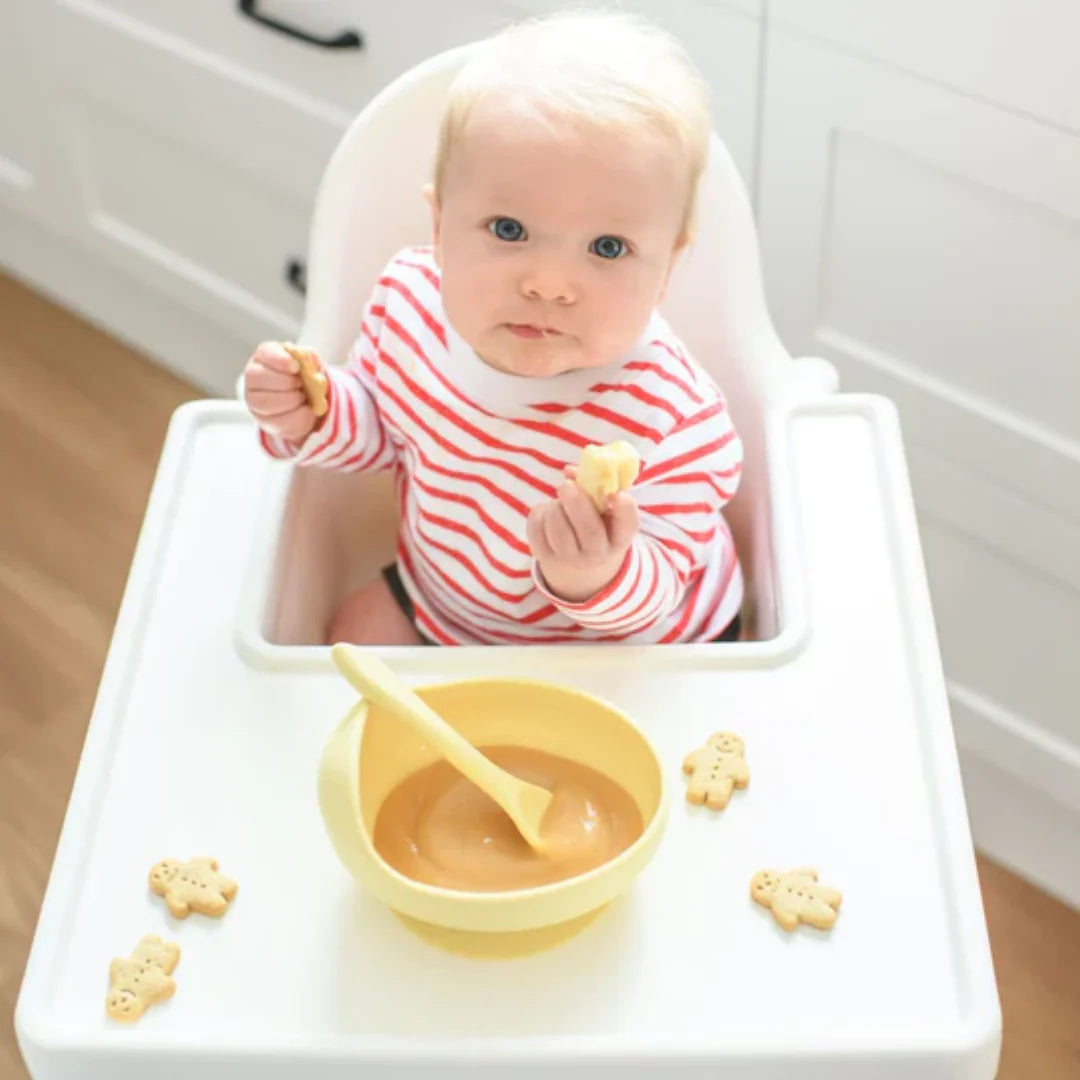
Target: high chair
x,y
218,696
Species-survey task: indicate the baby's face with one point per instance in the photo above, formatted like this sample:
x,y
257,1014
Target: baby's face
x,y
555,247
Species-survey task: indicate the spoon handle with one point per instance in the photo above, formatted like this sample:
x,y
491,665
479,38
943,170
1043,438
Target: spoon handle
x,y
381,686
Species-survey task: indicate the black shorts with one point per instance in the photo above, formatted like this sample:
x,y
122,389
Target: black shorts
x,y
393,581
394,584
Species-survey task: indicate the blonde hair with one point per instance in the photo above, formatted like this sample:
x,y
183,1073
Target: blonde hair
x,y
607,69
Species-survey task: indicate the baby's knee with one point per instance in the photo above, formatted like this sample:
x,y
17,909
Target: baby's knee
x,y
371,616
340,627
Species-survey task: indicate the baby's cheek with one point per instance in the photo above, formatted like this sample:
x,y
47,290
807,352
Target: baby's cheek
x,y
461,313
614,341
621,322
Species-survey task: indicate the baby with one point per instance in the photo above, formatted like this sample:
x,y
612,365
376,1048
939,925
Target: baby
x,y
564,191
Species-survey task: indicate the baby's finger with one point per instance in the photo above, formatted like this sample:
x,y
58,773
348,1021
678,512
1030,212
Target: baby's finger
x,y
560,533
588,525
272,354
623,521
267,403
534,534
260,377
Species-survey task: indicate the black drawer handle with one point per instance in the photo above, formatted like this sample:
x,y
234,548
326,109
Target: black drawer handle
x,y
347,39
296,275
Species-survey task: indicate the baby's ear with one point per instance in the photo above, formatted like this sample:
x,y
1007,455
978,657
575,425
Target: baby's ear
x,y
432,198
681,244
677,252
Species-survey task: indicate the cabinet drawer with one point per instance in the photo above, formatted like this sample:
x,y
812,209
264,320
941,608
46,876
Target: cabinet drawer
x,y
1008,631
200,183
202,231
1016,53
931,247
20,114
394,36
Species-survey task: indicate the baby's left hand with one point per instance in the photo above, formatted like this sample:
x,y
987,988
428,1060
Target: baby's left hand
x,y
579,549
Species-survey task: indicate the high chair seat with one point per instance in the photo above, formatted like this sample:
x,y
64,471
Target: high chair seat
x,y
217,700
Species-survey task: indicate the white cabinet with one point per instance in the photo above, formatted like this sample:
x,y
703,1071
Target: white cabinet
x,y
25,150
929,244
1018,54
194,178
18,145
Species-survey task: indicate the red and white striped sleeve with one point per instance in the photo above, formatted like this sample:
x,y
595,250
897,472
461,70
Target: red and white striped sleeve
x,y
351,435
680,493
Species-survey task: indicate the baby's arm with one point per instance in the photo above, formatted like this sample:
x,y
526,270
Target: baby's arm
x,y
351,435
689,477
680,495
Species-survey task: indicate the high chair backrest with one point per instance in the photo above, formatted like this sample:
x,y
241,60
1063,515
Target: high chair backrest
x,y
370,205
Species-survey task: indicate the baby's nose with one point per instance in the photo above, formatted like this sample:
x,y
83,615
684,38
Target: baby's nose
x,y
548,281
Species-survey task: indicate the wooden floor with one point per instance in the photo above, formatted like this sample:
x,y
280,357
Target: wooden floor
x,y
82,420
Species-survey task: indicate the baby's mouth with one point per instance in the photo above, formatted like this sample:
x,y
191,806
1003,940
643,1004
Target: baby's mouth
x,y
530,331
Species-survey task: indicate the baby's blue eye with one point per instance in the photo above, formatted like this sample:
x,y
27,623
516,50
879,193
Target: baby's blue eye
x,y
608,247
507,228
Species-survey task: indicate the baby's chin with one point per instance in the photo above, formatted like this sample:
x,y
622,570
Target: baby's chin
x,y
529,368
537,368
535,360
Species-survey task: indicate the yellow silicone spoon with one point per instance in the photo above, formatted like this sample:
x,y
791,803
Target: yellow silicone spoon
x,y
524,803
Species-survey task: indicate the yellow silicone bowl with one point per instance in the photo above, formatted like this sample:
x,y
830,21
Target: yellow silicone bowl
x,y
371,752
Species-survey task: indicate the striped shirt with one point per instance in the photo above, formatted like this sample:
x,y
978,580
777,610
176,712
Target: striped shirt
x,y
474,449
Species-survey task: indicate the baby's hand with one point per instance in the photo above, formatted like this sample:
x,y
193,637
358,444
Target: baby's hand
x,y
579,549
275,395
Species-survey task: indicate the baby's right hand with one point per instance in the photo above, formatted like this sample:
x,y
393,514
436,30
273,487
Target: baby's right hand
x,y
275,395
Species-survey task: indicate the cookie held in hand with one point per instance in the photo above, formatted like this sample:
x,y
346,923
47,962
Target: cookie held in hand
x,y
603,471
312,377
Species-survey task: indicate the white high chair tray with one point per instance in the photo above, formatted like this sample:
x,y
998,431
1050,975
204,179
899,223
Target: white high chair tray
x,y
192,750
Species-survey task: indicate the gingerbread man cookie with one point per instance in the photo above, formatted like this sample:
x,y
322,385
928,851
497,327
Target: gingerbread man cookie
x,y
716,769
142,979
193,886
603,471
796,897
312,377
